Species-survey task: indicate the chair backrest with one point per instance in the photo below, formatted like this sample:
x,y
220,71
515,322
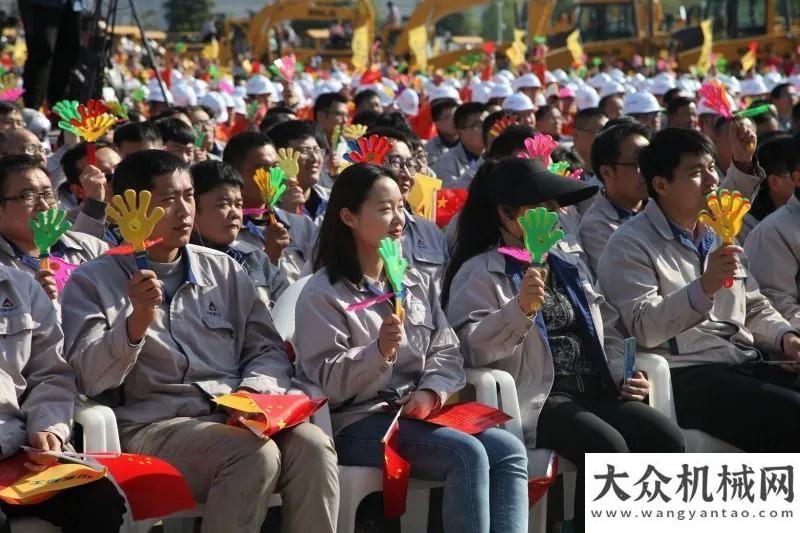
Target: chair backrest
x,y
283,311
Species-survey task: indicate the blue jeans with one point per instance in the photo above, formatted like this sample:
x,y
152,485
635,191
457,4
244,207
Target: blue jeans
x,y
485,475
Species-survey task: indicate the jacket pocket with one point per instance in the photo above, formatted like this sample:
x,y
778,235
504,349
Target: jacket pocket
x,y
17,324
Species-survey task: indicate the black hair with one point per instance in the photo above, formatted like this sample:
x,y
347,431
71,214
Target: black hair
x,y
171,112
293,130
490,121
605,147
69,161
390,133
671,94
664,153
544,110
511,140
239,147
135,132
138,170
562,154
17,163
779,154
336,247
626,119
678,102
584,116
364,95
393,119
719,124
6,108
761,118
464,111
776,91
273,119
441,105
601,105
325,101
366,118
175,130
478,224
208,175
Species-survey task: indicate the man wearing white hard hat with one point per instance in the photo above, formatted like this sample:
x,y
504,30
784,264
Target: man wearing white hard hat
x,y
157,101
259,88
528,84
499,93
644,108
586,97
457,167
521,108
408,102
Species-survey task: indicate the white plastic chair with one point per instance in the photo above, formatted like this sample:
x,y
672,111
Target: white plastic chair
x,y
99,435
661,399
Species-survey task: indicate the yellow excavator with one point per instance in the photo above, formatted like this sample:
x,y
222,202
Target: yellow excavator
x,y
624,28
261,29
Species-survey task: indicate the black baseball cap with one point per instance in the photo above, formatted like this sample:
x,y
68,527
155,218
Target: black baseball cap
x,y
521,181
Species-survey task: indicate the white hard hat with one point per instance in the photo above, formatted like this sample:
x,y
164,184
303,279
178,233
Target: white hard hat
x,y
239,105
640,102
753,87
526,81
586,96
183,94
561,76
660,86
326,86
481,91
216,103
599,79
258,85
408,102
501,90
155,92
518,102
612,87
444,91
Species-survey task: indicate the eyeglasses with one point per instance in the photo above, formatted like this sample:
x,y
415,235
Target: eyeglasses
x,y
396,163
634,166
308,152
30,198
33,149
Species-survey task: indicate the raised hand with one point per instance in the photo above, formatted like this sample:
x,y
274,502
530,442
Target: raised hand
x,y
288,162
372,149
48,227
134,223
538,227
395,266
354,131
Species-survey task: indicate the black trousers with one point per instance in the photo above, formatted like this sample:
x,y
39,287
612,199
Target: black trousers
x,y
93,508
755,407
52,36
575,423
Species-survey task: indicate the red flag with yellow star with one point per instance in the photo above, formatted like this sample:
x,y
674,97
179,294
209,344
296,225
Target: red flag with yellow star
x,y
267,414
153,487
396,473
448,203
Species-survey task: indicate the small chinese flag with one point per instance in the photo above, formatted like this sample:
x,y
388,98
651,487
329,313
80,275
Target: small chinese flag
x,y
538,487
152,487
448,203
271,412
396,473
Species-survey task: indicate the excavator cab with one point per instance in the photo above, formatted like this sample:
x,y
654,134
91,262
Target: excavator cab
x,y
606,21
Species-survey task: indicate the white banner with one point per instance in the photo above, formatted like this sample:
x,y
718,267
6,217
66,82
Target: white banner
x,y
696,492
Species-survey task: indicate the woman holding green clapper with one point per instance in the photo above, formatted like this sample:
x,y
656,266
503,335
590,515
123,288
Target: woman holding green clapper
x,y
547,326
363,358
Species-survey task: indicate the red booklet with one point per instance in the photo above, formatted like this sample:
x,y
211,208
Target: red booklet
x,y
267,414
469,417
